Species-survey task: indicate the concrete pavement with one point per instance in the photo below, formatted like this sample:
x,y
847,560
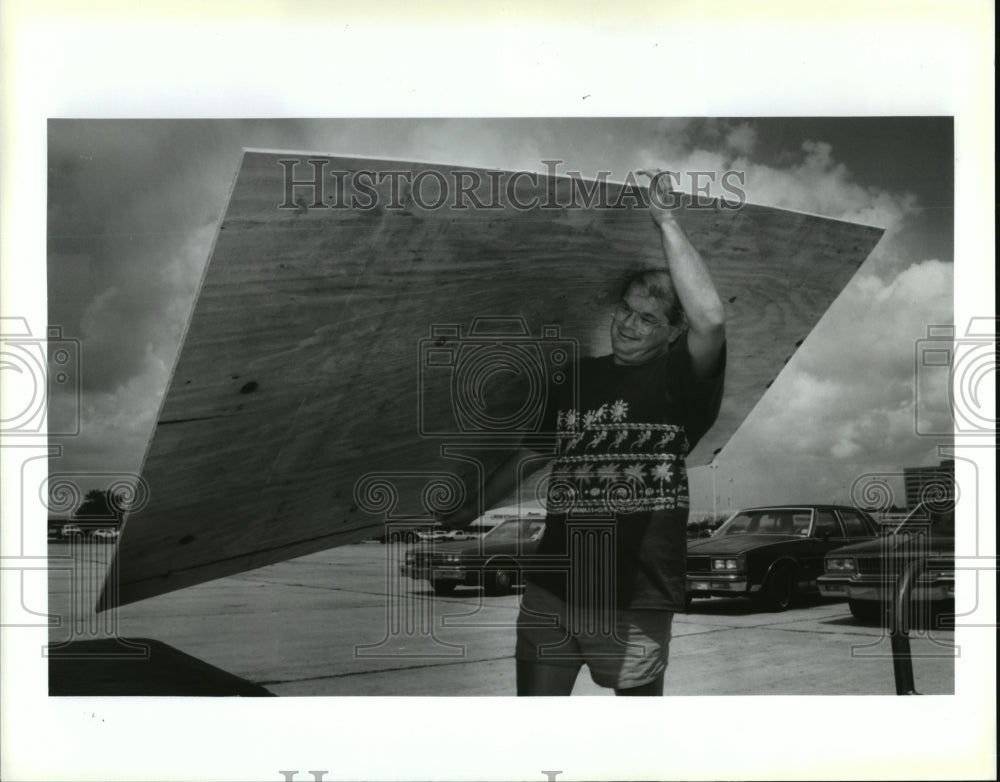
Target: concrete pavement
x,y
341,622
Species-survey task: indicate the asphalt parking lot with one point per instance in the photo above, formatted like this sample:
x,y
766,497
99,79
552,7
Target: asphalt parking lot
x,y
341,622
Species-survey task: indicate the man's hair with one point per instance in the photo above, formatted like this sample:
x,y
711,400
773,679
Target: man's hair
x,y
657,283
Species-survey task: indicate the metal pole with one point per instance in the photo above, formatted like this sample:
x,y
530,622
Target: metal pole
x,y
902,659
715,495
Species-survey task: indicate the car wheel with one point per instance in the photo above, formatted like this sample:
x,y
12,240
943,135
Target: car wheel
x,y
779,589
688,601
443,586
500,580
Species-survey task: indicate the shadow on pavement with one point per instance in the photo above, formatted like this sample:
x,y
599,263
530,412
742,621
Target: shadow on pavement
x,y
739,606
139,666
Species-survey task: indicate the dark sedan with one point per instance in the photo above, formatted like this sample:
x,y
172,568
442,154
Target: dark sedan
x,y
492,561
867,574
769,554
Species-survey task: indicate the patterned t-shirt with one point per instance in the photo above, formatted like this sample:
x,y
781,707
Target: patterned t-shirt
x,y
621,450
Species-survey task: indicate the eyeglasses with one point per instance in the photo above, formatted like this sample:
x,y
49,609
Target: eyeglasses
x,y
644,323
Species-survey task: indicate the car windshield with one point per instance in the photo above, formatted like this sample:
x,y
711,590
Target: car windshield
x,y
781,521
525,529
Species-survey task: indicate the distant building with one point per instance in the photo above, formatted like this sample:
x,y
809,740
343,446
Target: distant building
x,y
928,482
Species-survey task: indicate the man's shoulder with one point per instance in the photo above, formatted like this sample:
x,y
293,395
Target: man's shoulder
x,y
594,365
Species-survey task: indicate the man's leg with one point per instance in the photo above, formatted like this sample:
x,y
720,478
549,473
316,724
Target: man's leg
x,y
545,679
654,687
541,625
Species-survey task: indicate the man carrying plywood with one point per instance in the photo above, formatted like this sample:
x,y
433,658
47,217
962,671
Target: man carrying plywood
x,y
618,493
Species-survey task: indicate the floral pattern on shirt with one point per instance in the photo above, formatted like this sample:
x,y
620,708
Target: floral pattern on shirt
x,y
607,463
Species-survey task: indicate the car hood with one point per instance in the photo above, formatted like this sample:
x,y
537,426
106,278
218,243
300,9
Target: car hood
x,y
936,545
737,544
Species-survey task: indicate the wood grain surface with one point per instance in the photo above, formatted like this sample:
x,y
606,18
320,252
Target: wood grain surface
x,y
347,366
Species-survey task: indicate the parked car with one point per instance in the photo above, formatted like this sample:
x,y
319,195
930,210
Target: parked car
x,y
70,531
491,561
867,574
481,526
403,533
400,532
768,554
440,532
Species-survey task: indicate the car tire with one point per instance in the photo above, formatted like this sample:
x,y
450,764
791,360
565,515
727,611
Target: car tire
x,y
869,612
688,602
443,586
779,589
501,579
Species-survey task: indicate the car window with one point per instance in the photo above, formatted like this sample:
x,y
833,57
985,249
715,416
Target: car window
x,y
826,524
514,529
771,522
506,531
736,525
800,524
781,521
854,526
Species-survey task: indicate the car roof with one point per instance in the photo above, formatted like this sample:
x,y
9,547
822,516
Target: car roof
x,y
539,519
776,507
801,506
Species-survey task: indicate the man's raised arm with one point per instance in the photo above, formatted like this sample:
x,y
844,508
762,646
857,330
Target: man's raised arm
x,y
706,314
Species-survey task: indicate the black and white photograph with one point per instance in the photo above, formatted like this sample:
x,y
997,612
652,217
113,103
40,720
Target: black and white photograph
x,y
362,351
378,421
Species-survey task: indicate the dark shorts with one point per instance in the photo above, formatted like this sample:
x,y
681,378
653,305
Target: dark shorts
x,y
622,648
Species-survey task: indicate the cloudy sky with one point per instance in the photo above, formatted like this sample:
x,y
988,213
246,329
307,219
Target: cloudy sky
x,y
133,207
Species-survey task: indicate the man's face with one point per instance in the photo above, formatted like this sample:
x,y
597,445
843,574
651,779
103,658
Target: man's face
x,y
639,327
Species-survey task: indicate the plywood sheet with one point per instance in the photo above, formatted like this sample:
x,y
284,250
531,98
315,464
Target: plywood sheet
x,y
328,379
